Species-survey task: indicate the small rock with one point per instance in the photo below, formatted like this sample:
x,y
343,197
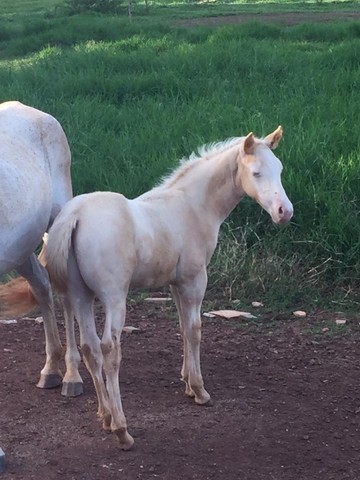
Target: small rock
x,y
340,321
299,313
39,320
8,322
131,329
209,315
257,304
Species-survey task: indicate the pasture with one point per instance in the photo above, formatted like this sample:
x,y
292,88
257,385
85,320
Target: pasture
x,y
135,97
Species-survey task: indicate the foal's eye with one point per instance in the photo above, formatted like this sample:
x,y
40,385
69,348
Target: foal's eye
x,y
256,174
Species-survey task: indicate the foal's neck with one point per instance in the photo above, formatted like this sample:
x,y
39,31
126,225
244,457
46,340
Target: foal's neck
x,y
222,194
209,183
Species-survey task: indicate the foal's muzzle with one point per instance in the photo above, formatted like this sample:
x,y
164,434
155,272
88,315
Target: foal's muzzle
x,y
283,214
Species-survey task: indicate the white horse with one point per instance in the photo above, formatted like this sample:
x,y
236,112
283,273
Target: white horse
x,y
101,244
34,185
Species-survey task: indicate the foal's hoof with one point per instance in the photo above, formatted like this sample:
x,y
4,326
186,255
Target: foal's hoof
x,y
72,389
208,403
51,380
126,441
204,400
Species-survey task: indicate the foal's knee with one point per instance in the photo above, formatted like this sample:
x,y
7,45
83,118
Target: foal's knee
x,y
193,331
107,346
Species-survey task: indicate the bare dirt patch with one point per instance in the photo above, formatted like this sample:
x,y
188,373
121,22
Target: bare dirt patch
x,y
293,18
286,404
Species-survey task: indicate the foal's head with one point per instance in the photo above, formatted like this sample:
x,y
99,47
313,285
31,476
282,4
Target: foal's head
x,y
260,176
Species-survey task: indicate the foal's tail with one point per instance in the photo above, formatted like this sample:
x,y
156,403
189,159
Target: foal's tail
x,y
16,297
58,247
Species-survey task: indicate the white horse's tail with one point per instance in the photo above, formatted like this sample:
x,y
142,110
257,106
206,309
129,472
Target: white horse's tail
x,y
58,247
16,296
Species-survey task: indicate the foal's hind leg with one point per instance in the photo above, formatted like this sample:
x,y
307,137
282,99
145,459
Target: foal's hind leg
x,y
111,348
72,381
188,298
38,279
81,298
92,353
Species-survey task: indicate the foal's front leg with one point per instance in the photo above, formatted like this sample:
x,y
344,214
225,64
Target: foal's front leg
x,y
188,298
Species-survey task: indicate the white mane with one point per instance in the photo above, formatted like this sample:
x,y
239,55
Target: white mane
x,y
205,152
210,149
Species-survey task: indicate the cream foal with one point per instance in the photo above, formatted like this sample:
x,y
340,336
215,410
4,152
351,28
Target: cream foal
x,y
103,244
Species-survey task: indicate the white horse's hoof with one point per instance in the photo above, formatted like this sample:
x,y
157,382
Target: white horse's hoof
x,y
51,380
72,389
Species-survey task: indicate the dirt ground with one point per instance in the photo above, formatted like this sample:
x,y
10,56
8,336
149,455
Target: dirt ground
x,y
280,18
286,403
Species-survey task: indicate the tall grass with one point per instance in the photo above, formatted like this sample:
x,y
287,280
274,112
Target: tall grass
x,y
134,97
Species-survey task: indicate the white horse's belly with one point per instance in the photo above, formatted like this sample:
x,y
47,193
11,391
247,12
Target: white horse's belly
x,y
25,205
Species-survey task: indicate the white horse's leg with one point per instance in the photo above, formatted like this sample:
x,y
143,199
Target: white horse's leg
x,y
72,381
38,279
188,298
111,349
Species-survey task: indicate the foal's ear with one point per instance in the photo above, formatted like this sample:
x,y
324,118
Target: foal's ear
x,y
274,138
249,144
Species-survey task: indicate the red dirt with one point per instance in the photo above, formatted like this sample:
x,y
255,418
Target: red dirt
x,y
286,404
280,18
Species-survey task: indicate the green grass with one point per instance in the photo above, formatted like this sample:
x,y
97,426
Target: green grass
x,y
134,97
10,8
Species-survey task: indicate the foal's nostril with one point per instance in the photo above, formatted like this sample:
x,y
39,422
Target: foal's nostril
x,y
281,211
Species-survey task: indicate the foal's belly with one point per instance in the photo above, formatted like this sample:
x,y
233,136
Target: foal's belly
x,y
154,268
153,274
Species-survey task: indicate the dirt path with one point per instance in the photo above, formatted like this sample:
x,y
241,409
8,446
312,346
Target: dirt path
x,y
280,18
286,405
